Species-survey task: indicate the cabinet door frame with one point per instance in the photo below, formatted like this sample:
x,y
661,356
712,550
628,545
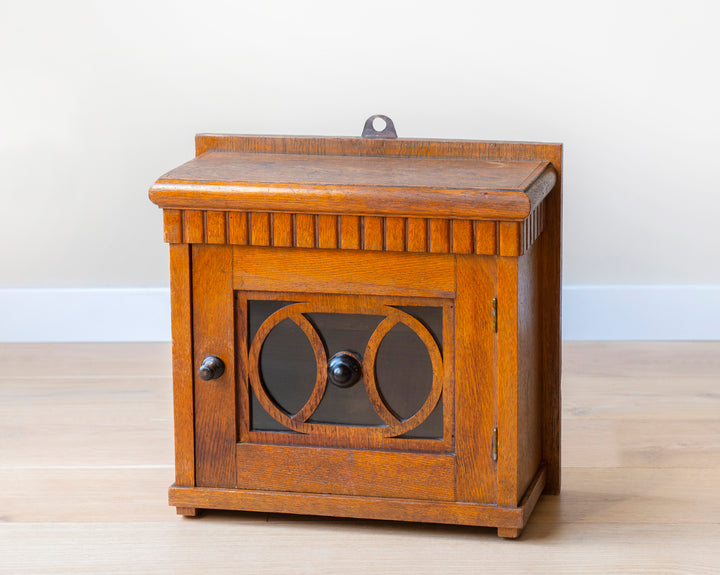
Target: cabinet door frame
x,y
465,473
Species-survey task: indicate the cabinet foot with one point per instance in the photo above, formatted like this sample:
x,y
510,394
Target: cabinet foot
x,y
509,532
189,511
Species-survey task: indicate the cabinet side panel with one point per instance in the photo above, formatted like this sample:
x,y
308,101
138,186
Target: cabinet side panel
x,y
475,387
550,248
182,361
213,330
530,384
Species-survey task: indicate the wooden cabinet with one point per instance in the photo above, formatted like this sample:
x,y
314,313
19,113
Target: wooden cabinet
x,y
366,327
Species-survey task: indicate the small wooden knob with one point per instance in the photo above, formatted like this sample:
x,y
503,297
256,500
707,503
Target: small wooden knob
x,y
212,367
344,369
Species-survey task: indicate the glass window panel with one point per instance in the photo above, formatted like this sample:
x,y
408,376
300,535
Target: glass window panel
x,y
403,367
345,332
430,317
432,427
403,371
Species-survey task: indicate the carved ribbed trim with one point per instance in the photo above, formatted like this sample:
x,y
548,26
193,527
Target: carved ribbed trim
x,y
533,226
395,234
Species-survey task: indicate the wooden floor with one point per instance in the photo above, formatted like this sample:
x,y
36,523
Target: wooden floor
x,y
86,459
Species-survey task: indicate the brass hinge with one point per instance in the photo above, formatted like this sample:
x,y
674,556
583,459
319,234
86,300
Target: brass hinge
x,y
494,314
494,444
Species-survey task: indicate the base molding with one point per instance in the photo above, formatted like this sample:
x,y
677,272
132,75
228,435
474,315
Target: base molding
x,y
424,511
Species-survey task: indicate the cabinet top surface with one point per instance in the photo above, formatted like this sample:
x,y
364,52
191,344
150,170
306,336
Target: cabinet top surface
x,y
354,177
240,168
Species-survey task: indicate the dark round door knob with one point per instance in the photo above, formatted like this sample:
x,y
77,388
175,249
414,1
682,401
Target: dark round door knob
x,y
344,369
212,367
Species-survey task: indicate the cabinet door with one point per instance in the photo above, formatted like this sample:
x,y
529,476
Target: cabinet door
x,y
339,374
345,394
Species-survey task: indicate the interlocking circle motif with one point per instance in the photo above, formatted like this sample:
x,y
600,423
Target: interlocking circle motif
x,y
393,316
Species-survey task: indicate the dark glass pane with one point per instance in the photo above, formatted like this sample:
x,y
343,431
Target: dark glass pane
x,y
432,427
403,371
403,368
259,311
430,317
345,332
287,367
406,382
260,420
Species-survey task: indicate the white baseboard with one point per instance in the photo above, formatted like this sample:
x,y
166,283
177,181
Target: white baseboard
x,y
143,314
92,315
643,312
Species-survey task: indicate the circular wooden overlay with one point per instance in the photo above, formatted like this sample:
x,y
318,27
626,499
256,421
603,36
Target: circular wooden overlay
x,y
393,316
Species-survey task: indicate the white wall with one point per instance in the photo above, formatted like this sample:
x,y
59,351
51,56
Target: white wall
x,y
97,99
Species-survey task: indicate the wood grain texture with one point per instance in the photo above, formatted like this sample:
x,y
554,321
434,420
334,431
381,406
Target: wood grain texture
x,y
350,232
529,382
215,227
238,228
475,379
283,230
260,229
373,233
462,237
193,227
395,234
182,358
550,254
327,231
385,219
509,489
353,184
305,230
486,237
510,237
340,271
533,226
417,235
439,236
348,506
346,472
213,334
172,226
242,345
533,492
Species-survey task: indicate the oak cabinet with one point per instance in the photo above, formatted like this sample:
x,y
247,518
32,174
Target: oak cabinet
x,y
366,327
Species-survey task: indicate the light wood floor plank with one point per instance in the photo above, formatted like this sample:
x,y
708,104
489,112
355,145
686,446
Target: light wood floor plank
x,y
670,397
633,495
644,359
251,545
86,458
89,421
641,443
86,495
32,360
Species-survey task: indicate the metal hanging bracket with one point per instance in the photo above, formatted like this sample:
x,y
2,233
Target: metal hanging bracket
x,y
388,131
